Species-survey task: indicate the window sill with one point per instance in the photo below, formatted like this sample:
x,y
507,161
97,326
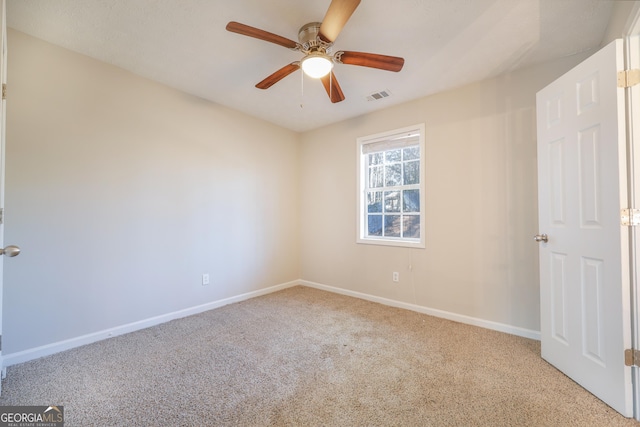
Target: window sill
x,y
391,242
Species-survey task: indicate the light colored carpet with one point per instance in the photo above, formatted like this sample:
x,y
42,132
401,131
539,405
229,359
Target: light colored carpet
x,y
304,357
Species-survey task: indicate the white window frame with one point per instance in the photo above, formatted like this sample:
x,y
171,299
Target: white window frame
x,y
390,137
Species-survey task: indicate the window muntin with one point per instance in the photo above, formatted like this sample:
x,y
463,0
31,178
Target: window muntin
x,y
391,188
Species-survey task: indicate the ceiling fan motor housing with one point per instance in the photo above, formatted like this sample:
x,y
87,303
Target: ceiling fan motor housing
x,y
309,40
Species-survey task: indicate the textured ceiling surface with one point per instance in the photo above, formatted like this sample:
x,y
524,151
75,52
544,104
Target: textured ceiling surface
x,y
184,44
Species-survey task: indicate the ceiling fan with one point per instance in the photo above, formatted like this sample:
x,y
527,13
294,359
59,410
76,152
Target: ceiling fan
x,y
315,42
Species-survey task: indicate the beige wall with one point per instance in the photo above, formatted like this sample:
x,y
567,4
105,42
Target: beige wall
x,y
481,198
123,192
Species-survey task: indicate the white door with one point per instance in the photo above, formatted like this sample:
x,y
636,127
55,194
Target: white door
x,y
584,265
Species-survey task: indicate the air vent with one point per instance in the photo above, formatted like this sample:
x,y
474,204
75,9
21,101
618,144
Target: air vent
x,y
379,95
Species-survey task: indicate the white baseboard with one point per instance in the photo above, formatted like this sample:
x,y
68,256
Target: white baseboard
x,y
46,350
487,324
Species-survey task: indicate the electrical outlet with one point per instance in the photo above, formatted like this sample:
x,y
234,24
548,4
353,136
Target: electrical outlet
x,y
205,279
396,276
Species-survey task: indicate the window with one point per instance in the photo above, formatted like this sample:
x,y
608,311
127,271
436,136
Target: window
x,y
391,188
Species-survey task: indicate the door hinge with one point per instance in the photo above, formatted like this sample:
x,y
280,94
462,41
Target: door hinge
x,y
1,215
628,78
631,357
630,217
4,91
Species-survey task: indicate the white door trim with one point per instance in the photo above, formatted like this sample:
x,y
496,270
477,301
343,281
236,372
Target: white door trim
x,y
632,61
3,105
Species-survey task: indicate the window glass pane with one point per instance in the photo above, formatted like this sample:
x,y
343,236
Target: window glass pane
x,y
392,225
392,201
411,173
375,159
393,156
391,180
411,201
393,174
411,153
411,226
374,201
376,177
374,225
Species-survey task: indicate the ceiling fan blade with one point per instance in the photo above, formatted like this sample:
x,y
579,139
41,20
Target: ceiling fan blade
x,y
372,60
336,17
246,30
278,75
333,88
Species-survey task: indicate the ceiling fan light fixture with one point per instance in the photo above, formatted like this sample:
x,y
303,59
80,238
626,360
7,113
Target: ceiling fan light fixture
x,y
316,65
315,42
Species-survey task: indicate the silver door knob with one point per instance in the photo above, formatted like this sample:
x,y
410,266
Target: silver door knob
x,y
10,251
541,238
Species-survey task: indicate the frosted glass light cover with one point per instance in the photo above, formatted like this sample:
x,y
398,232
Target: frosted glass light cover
x,y
316,66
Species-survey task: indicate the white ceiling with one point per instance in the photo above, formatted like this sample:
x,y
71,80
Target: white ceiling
x,y
184,44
